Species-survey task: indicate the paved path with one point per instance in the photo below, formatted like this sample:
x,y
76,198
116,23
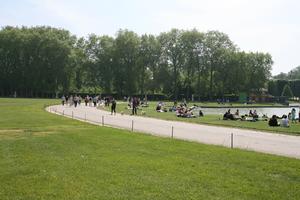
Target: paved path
x,y
278,144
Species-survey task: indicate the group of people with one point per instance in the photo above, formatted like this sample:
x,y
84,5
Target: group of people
x,y
285,119
76,100
252,116
273,121
92,101
134,103
181,110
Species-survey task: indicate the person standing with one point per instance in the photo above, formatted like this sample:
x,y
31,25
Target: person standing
x,y
134,106
294,115
75,100
67,99
113,106
63,100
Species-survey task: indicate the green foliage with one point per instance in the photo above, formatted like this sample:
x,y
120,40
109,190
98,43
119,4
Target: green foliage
x,y
177,63
291,75
287,92
276,87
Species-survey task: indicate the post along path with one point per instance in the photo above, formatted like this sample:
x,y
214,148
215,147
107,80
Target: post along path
x,y
272,143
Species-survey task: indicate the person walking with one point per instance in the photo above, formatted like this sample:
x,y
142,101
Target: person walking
x,y
113,106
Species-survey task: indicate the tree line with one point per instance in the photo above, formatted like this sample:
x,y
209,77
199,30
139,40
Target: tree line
x,y
177,63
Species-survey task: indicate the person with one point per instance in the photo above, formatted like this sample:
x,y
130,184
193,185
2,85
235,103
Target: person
x,y
294,115
113,106
254,114
79,100
201,113
134,106
285,121
237,112
273,121
228,115
71,100
86,100
289,116
250,113
67,99
75,100
158,107
63,100
95,101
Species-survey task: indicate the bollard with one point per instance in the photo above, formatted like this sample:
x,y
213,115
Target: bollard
x,y
132,125
231,145
102,120
63,112
172,132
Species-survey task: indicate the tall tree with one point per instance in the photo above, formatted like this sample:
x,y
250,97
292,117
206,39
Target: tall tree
x,y
126,48
172,52
216,45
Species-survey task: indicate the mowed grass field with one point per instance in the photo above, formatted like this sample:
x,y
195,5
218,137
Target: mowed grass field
x,y
45,156
208,119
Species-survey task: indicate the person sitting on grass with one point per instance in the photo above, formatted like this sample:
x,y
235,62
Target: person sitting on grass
x,y
237,112
201,113
273,121
250,113
285,121
254,114
228,115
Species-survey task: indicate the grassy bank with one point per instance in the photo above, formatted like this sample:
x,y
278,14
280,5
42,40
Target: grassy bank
x,y
150,111
45,156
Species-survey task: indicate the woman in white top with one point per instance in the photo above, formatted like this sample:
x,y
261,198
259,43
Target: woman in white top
x,y
285,121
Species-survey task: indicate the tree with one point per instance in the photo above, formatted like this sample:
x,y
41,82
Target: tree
x,y
287,92
126,48
42,60
215,46
172,55
149,53
192,42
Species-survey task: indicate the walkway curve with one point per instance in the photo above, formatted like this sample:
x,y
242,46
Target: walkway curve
x,y
278,144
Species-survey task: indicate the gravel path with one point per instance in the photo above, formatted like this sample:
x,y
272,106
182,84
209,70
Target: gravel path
x,y
271,143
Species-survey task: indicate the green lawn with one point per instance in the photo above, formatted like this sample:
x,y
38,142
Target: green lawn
x,y
150,111
45,156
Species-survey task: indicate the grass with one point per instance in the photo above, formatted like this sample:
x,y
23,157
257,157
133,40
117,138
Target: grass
x,y
150,111
45,156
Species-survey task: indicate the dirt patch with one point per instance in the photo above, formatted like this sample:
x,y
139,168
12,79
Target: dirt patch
x,y
11,134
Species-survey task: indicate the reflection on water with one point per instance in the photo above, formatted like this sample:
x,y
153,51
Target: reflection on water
x,y
260,111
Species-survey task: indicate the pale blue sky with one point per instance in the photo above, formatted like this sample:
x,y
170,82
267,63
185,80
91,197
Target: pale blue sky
x,y
254,25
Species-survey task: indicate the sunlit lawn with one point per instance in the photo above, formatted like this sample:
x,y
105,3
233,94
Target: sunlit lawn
x,y
45,156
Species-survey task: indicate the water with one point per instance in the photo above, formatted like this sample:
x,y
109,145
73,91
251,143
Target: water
x,y
259,110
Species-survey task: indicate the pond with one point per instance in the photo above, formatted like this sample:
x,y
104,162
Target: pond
x,y
269,111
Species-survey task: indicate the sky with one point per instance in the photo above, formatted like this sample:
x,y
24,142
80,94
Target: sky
x,y
269,26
